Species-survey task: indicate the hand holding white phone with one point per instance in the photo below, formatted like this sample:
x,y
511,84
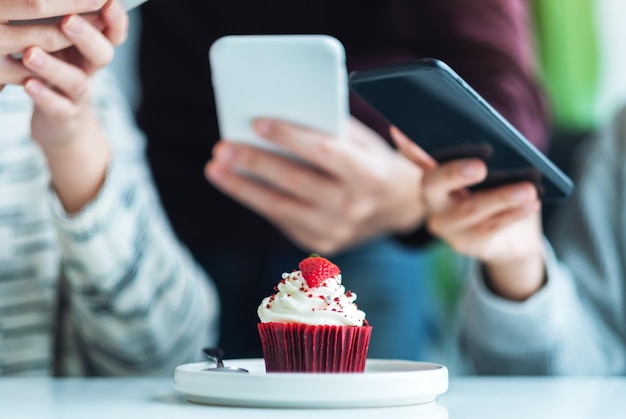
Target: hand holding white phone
x,y
300,79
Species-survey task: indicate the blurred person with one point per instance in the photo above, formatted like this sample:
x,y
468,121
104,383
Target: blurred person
x,y
535,306
359,200
92,279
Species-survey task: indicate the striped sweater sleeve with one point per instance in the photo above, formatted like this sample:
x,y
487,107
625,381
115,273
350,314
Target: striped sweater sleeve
x,y
139,303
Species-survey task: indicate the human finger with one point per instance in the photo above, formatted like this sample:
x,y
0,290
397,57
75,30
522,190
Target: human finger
x,y
317,148
440,182
15,39
292,177
365,136
475,241
12,71
65,77
411,150
116,20
95,49
482,207
265,200
301,221
35,9
49,101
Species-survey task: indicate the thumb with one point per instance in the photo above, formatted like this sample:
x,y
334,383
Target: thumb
x,y
451,180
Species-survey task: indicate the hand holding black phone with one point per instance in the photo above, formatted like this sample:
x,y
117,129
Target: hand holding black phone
x,y
438,110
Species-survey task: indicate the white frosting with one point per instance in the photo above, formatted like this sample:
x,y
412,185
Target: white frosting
x,y
295,302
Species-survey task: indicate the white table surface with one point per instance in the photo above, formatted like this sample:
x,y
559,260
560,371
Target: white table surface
x,y
467,397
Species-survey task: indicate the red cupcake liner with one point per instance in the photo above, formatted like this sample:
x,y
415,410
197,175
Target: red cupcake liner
x,y
292,347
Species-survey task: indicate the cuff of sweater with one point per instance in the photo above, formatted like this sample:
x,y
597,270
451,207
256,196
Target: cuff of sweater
x,y
95,215
502,325
99,242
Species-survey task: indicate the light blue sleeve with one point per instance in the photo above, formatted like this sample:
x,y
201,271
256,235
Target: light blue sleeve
x,y
576,324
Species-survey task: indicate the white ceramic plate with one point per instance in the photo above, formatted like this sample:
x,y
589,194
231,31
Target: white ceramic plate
x,y
384,383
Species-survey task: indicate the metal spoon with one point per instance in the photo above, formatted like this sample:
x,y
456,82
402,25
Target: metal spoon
x,y
216,355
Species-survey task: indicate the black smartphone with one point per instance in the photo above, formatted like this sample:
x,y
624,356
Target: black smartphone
x,y
445,116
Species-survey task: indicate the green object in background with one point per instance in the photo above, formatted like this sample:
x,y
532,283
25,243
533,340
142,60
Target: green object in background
x,y
568,52
448,279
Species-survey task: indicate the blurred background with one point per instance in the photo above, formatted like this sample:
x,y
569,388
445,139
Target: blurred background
x,y
579,45
580,48
581,65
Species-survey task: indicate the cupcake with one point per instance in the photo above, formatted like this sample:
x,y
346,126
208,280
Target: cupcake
x,y
312,324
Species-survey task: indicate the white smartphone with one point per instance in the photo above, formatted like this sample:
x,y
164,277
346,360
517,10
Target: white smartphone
x,y
296,78
128,6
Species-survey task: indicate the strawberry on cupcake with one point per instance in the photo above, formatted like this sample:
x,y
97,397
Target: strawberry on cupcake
x,y
312,324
